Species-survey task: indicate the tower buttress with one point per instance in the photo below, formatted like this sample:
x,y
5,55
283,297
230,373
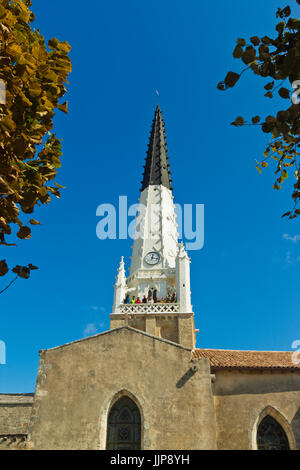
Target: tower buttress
x,y
183,288
120,287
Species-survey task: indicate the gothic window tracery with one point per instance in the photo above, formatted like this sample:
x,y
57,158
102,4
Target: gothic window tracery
x,y
271,436
124,426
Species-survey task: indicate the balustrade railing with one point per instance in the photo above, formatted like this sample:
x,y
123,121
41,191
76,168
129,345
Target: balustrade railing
x,y
150,308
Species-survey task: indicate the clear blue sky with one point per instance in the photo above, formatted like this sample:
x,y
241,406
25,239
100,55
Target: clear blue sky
x,y
245,281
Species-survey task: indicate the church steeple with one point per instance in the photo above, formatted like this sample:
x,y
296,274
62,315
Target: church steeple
x,y
160,268
157,166
157,227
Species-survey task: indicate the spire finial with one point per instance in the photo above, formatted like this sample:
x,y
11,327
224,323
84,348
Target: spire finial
x,y
157,166
157,98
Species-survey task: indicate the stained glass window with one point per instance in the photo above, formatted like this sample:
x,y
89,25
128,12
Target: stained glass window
x,y
271,436
124,426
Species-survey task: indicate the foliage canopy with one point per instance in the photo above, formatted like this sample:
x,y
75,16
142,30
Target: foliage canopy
x,y
34,78
279,59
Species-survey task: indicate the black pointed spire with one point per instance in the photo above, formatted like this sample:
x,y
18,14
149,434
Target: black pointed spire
x,y
157,166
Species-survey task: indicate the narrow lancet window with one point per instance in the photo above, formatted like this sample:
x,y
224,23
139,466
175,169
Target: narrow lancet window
x,y
124,426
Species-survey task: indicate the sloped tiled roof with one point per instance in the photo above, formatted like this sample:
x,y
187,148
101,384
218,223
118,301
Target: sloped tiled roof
x,y
227,359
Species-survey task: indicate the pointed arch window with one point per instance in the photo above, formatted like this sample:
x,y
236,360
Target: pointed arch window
x,y
271,436
124,426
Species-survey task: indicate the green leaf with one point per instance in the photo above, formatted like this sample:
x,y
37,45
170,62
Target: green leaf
x,y
238,52
3,268
239,121
32,267
59,186
63,107
255,40
284,93
264,54
270,119
255,119
231,79
22,271
282,116
286,11
53,43
24,233
249,55
280,27
269,86
266,40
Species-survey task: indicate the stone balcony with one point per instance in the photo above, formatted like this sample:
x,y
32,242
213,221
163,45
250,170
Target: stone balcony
x,y
150,308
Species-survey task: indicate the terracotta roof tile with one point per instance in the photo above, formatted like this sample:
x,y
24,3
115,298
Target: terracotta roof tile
x,y
223,359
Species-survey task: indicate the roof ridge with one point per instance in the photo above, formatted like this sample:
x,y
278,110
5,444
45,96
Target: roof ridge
x,y
116,329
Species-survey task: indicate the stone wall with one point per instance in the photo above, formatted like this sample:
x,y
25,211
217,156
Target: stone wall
x,y
78,382
242,396
176,327
15,411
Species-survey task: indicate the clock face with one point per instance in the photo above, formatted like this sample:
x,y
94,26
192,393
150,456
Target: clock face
x,y
152,258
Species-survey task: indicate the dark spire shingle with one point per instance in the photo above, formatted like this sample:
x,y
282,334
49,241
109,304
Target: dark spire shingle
x,y
157,166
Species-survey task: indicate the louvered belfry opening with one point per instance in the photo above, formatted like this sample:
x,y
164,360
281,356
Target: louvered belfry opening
x,y
124,426
157,168
271,436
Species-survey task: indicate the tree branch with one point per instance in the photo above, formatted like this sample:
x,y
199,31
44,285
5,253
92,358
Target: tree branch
x,y
9,284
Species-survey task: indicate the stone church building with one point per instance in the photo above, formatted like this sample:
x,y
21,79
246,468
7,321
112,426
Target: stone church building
x,y
144,384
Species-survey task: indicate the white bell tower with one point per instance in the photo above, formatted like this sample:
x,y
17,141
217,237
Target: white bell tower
x,y
160,267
